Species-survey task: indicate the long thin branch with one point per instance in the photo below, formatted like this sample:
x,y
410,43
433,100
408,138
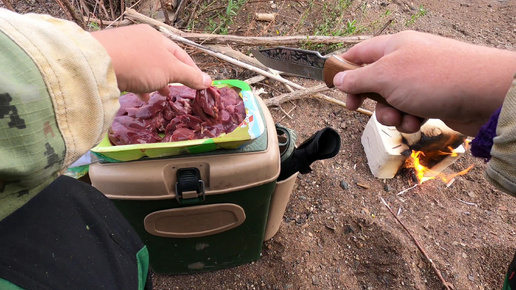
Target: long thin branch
x,y
245,40
314,92
172,35
446,285
8,5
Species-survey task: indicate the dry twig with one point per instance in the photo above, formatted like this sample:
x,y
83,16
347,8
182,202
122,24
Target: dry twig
x,y
446,285
8,5
165,11
244,40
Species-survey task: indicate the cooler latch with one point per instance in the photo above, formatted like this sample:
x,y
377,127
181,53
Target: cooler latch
x,y
189,186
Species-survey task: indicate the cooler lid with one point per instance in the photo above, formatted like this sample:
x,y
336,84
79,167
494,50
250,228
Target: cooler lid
x,y
221,171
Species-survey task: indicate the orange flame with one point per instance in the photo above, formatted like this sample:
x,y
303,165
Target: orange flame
x,y
414,161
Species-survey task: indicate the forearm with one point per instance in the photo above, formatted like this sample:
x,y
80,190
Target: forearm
x,y
60,93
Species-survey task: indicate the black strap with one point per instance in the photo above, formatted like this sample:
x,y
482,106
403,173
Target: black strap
x,y
69,236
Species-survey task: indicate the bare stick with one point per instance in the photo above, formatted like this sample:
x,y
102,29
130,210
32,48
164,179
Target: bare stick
x,y
8,5
165,11
407,189
244,40
192,14
313,92
179,10
134,15
295,95
446,285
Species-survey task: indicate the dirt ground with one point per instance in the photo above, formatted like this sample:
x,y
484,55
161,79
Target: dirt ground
x,y
338,235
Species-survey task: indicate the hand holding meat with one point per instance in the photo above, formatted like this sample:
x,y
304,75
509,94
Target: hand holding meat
x,y
183,114
428,76
145,61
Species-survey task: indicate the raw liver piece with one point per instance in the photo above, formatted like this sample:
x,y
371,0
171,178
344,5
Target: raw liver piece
x,y
185,114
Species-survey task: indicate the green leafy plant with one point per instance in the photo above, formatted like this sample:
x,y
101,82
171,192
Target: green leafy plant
x,y
93,26
221,22
420,13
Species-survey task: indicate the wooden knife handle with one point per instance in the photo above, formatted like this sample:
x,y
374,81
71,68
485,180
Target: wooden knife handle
x,y
334,65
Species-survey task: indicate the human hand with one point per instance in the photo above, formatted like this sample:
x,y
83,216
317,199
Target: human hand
x,y
430,77
145,61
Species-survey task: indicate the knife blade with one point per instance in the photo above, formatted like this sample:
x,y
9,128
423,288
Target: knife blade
x,y
313,65
309,64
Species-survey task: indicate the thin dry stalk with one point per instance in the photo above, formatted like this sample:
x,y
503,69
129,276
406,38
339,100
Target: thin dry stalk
x,y
8,5
165,11
407,189
76,16
68,15
192,13
112,9
244,40
445,284
179,10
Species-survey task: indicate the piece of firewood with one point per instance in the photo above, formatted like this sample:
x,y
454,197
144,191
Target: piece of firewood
x,y
268,17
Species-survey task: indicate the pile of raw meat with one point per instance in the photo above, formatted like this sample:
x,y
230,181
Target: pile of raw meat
x,y
185,114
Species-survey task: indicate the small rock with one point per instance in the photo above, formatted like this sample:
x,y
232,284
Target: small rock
x,y
387,188
315,281
348,229
471,277
344,185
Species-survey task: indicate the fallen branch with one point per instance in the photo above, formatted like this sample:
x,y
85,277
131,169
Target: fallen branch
x,y
276,101
446,285
8,5
313,92
245,40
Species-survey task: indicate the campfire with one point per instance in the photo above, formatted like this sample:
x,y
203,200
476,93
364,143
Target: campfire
x,y
428,152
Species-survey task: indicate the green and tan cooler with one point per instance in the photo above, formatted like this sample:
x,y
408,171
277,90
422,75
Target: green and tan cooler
x,y
204,211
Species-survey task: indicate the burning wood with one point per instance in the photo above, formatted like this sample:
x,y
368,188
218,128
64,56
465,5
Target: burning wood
x,y
428,152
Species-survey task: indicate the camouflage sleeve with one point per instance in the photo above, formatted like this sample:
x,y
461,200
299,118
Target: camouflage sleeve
x,y
501,169
58,95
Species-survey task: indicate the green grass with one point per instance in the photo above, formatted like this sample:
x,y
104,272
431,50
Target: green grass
x,y
221,22
420,13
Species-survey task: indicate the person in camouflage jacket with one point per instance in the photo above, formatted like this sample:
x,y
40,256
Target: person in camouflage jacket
x,y
471,88
59,90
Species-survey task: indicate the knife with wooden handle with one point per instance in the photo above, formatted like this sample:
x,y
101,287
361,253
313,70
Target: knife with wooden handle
x,y
309,64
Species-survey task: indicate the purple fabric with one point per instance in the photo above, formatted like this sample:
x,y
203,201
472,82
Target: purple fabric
x,y
481,145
